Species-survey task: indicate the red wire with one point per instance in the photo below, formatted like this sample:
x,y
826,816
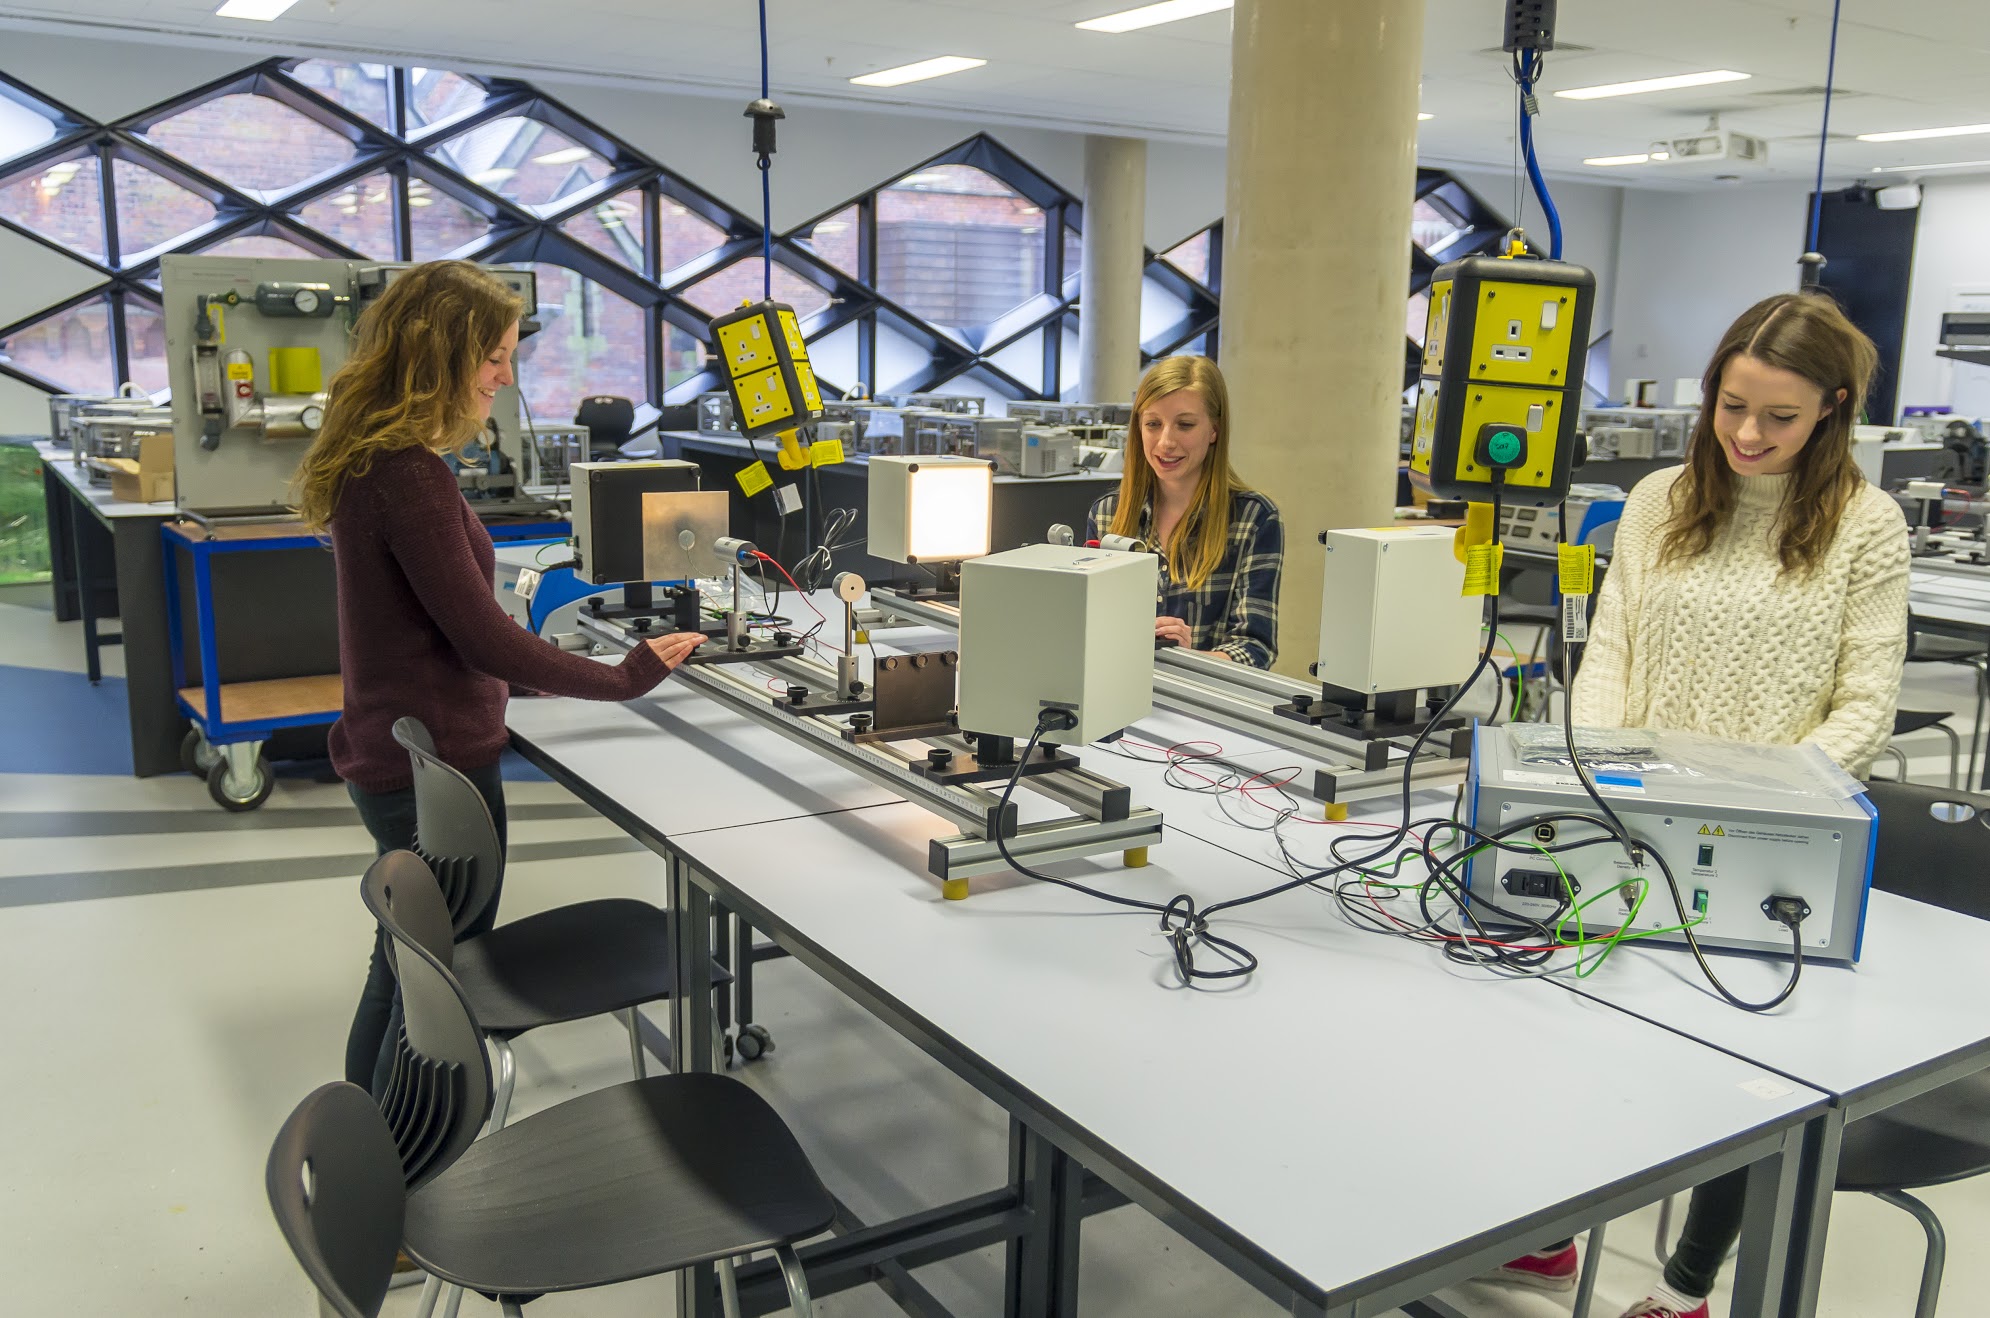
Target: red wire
x,y
769,558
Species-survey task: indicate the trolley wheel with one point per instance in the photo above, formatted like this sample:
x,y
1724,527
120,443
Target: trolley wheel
x,y
227,798
754,1043
197,756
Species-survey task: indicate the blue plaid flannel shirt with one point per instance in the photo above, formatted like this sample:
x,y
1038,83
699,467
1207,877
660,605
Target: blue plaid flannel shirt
x,y
1236,611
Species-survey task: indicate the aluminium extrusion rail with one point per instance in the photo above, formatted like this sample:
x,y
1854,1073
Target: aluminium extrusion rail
x,y
1104,817
1241,697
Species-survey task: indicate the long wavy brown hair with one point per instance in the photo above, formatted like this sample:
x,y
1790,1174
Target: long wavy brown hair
x,y
1806,333
1195,547
410,379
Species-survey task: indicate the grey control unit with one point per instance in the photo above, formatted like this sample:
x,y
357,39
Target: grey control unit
x,y
1737,830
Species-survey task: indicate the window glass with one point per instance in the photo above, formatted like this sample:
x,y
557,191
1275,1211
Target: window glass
x,y
361,216
524,160
253,143
612,227
1418,317
360,88
63,201
1160,309
260,244
1074,259
742,281
683,356
898,360
22,128
152,210
1068,383
1191,258
1024,360
957,246
438,223
1433,226
834,240
71,349
590,341
437,94
145,331
682,236
834,356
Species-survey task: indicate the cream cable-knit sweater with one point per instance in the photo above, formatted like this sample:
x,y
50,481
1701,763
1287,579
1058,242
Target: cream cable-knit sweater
x,y
1729,645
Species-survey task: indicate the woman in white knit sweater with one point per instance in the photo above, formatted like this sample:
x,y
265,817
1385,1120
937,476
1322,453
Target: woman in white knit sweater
x,y
1758,593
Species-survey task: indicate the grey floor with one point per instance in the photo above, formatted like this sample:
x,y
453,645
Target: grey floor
x,y
175,979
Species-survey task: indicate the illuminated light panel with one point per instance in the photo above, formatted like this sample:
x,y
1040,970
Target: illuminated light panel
x,y
1638,159
1599,92
571,155
1421,116
937,67
1167,11
262,11
1915,134
1917,169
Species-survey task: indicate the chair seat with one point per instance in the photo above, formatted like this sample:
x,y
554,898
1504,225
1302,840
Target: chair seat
x,y
1939,1137
1930,648
569,963
645,1177
1915,720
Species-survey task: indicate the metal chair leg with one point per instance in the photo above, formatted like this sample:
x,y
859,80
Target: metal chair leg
x,y
454,1302
1955,754
1592,1264
507,1080
636,1045
728,1288
512,1308
431,1290
791,1272
1931,1270
1662,1245
1899,758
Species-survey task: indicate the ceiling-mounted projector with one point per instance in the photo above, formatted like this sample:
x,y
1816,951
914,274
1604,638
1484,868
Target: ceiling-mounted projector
x,y
1711,146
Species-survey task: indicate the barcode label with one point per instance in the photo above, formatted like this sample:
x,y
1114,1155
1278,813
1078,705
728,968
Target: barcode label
x,y
1575,619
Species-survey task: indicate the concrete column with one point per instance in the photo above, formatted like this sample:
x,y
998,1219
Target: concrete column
x,y
1115,239
1316,250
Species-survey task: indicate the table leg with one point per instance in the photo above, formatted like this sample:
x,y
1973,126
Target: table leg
x,y
1823,1141
151,700
692,1039
60,502
1766,1227
1041,1272
86,593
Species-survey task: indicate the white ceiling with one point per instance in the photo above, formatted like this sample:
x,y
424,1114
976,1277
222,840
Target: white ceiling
x,y
1901,64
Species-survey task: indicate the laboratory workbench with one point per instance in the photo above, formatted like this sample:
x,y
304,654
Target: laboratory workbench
x,y
1277,1078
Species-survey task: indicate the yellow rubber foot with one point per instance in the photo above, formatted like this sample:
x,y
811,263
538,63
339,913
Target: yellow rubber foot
x,y
1336,811
1136,858
954,890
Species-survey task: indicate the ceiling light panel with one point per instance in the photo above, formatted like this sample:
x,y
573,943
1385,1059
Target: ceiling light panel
x,y
1918,169
919,72
260,10
1915,134
1168,11
1651,85
1638,159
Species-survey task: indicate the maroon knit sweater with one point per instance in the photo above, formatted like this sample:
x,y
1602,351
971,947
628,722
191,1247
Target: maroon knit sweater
x,y
421,631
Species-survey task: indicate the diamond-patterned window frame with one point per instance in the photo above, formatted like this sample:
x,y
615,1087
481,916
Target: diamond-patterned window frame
x,y
518,233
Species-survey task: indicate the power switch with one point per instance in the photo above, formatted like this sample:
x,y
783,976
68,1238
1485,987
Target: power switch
x,y
1700,901
1706,856
1549,310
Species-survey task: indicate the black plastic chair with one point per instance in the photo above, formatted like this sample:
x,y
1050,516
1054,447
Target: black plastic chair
x,y
1925,647
644,1177
334,1183
609,422
566,964
1934,847
1919,720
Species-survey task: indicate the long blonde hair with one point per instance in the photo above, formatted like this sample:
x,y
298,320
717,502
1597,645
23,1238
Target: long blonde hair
x,y
1195,548
1806,333
410,379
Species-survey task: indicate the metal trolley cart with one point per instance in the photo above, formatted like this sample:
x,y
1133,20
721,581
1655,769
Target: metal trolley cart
x,y
233,720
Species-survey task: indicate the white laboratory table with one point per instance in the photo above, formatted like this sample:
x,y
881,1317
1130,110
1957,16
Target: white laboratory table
x,y
1292,1125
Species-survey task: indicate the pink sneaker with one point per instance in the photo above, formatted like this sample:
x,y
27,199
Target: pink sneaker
x,y
1547,1270
1666,1306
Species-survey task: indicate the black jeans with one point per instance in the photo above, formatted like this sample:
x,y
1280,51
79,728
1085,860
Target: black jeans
x,y
390,818
1713,1224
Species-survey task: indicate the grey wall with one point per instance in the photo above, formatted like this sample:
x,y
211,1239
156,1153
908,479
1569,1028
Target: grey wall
x,y
1689,262
1951,257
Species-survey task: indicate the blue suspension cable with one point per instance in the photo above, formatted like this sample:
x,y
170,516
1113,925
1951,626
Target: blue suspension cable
x,y
766,182
1529,68
1824,132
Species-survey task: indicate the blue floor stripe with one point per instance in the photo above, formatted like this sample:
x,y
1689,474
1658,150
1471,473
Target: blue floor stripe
x,y
56,722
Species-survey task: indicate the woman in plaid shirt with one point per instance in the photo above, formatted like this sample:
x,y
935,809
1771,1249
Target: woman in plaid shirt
x,y
1221,544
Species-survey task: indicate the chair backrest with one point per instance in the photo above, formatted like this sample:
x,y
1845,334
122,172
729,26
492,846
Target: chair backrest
x,y
439,1089
609,421
334,1183
454,831
1934,846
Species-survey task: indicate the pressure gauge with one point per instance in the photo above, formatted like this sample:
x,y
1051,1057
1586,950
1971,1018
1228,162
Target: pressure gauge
x,y
311,417
305,300
295,299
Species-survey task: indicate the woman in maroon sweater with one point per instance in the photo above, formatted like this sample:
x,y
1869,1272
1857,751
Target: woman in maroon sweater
x,y
420,630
